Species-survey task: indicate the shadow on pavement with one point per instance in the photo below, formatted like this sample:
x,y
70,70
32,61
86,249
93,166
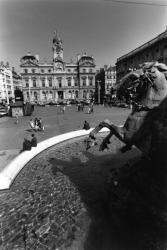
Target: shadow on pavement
x,y
125,201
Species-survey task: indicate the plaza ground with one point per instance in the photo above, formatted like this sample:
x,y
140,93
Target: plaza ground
x,y
12,134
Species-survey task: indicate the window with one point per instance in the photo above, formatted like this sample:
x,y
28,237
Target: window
x,y
90,70
60,82
27,84
69,70
90,81
50,82
34,83
33,71
35,95
75,82
84,94
49,70
84,70
42,71
84,81
25,71
43,82
69,82
76,94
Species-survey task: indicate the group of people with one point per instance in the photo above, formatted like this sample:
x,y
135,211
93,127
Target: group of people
x,y
80,106
37,124
28,144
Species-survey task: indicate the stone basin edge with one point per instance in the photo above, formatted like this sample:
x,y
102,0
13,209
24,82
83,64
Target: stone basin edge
x,y
9,173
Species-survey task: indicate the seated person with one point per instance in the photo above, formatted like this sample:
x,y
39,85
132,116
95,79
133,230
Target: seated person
x,y
33,141
86,125
26,145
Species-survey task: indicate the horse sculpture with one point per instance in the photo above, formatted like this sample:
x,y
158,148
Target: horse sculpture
x,y
147,88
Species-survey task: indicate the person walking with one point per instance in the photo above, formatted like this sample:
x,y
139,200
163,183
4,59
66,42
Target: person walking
x,y
17,117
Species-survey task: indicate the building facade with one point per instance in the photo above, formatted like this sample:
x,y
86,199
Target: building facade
x,y
153,50
6,83
17,79
105,82
57,80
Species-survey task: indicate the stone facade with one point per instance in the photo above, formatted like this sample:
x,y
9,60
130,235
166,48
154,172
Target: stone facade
x,y
17,79
6,83
153,50
57,80
105,81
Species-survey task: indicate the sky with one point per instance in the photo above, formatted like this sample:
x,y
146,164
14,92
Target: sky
x,y
105,29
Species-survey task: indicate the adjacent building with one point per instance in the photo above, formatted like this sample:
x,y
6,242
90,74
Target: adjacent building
x,y
153,50
57,80
105,82
17,79
6,83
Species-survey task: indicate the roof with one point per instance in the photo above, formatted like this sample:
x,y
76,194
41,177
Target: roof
x,y
145,45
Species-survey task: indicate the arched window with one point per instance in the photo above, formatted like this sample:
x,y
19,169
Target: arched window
x,y
27,82
43,82
84,81
35,95
34,82
75,82
69,82
50,82
59,79
90,81
84,94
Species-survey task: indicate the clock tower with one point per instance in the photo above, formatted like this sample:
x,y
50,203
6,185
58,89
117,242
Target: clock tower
x,y
57,52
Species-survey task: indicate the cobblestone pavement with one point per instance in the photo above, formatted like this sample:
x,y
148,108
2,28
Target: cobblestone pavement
x,y
57,200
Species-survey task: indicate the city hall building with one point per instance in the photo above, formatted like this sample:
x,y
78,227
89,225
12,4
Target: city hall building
x,y
58,80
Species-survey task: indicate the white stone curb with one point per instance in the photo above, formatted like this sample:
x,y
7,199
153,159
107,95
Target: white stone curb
x,y
9,173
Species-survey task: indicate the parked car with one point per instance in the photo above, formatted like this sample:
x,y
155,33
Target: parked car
x,y
42,104
73,101
3,111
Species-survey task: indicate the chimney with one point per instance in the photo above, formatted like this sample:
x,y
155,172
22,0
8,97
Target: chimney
x,y
78,57
37,57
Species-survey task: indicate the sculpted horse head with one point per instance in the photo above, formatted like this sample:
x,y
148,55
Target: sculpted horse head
x,y
147,87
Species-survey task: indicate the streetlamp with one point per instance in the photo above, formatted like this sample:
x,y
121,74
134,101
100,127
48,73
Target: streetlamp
x,y
99,88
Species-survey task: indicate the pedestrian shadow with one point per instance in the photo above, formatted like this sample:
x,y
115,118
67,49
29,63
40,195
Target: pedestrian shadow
x,y
121,206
